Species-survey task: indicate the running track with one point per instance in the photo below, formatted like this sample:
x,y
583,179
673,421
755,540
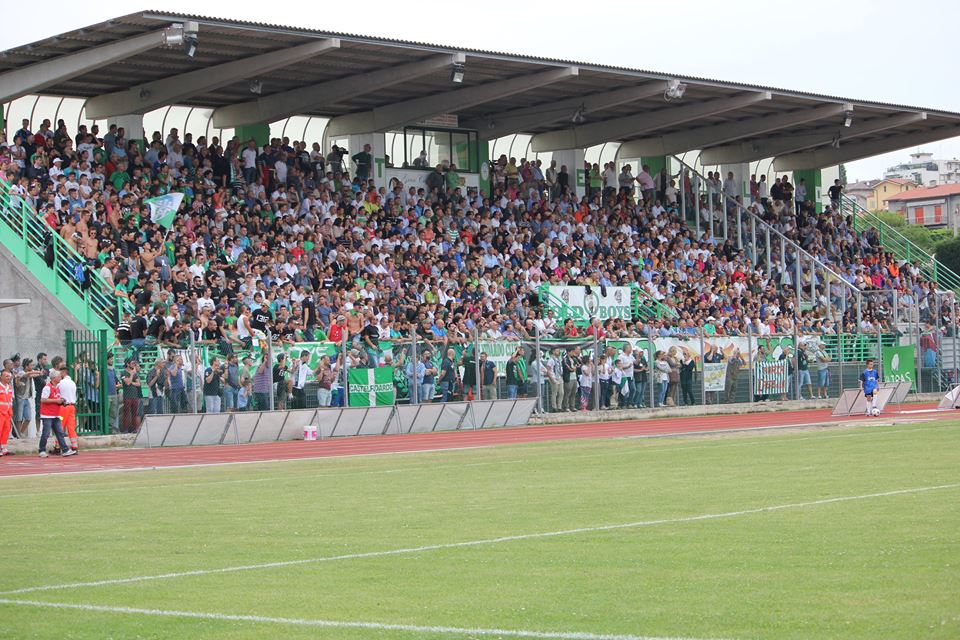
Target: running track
x,y
133,459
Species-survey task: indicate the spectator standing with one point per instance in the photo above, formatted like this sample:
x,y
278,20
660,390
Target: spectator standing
x,y
6,410
555,378
734,365
130,413
448,375
68,410
281,383
231,383
488,378
262,379
300,373
514,377
428,386
212,386
50,404
687,367
571,365
157,382
177,383
326,376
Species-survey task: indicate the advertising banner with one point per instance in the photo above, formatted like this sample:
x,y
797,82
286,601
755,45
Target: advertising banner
x,y
900,365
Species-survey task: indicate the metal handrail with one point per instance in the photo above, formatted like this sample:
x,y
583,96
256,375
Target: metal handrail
x,y
901,246
764,225
26,222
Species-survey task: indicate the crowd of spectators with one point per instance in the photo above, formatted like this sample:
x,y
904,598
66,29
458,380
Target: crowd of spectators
x,y
287,240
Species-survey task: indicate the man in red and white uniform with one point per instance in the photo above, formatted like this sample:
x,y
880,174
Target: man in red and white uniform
x,y
50,405
6,410
68,411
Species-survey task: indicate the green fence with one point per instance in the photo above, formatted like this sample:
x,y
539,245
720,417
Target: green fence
x,y
86,356
56,265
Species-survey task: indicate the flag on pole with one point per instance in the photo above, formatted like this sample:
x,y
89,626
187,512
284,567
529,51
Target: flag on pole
x,y
371,387
163,209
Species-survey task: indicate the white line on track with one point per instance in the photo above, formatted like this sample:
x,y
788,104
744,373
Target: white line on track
x,y
478,543
333,474
335,624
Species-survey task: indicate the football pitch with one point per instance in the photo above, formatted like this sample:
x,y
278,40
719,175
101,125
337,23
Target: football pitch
x,y
849,532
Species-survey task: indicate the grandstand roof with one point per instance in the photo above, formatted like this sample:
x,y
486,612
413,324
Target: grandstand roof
x,y
738,122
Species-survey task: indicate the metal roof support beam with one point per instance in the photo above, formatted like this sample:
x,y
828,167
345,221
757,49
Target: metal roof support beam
x,y
395,115
770,147
304,99
36,77
703,137
591,134
149,96
502,124
827,157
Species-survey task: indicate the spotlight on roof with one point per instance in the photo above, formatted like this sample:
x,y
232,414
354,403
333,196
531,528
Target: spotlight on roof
x,y
190,30
256,87
173,36
847,118
578,116
457,73
675,90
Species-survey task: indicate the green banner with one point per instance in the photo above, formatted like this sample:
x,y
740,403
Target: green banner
x,y
900,365
371,387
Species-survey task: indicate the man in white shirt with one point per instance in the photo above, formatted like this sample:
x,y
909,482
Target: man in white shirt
x,y
68,412
300,380
249,157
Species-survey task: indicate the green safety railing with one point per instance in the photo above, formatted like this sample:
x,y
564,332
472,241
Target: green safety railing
x,y
899,245
28,237
645,307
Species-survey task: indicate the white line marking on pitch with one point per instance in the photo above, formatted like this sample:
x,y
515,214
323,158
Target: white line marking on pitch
x,y
336,624
476,543
340,474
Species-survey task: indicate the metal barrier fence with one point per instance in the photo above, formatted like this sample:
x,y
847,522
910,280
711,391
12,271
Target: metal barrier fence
x,y
271,426
568,374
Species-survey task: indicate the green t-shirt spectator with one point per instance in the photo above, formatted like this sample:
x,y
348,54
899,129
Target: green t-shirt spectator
x,y
118,177
363,160
453,179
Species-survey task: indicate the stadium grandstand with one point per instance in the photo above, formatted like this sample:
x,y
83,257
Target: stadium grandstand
x,y
219,215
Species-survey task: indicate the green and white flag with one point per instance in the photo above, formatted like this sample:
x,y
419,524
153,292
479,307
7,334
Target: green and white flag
x,y
163,209
371,387
900,365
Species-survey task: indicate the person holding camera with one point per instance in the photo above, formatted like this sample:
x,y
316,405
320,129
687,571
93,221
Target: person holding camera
x,y
213,379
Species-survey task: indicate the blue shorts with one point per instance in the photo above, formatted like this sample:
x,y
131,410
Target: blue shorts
x,y
869,391
22,410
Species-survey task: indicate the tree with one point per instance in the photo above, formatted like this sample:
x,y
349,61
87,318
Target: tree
x,y
948,254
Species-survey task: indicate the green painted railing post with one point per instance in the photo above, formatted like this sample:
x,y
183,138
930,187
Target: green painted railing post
x,y
104,417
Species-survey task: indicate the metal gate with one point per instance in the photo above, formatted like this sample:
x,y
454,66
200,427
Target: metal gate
x,y
87,363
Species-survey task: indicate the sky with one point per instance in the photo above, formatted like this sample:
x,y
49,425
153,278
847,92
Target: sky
x,y
869,50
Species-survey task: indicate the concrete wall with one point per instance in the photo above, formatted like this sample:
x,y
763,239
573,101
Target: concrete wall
x,y
34,327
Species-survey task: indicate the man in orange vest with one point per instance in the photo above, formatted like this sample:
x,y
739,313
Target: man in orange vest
x,y
68,412
50,406
6,410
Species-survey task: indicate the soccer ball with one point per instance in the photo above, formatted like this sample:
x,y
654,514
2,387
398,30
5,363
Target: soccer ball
x,y
875,412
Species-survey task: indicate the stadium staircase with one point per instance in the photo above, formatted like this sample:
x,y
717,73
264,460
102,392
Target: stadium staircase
x,y
57,266
900,246
751,223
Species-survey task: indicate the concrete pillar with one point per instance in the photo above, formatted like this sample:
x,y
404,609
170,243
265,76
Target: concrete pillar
x,y
741,173
132,128
814,182
573,159
258,132
378,146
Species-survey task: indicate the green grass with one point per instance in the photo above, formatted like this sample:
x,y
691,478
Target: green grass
x,y
884,567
